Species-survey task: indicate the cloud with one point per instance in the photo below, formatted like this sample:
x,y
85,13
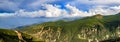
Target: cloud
x,y
87,4
116,8
8,5
76,12
55,11
96,2
52,13
105,10
35,5
27,5
27,12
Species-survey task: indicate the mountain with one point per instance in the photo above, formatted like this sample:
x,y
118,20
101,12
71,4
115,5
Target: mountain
x,y
95,28
89,29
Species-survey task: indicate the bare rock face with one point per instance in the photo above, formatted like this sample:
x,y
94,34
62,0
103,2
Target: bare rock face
x,y
48,35
58,35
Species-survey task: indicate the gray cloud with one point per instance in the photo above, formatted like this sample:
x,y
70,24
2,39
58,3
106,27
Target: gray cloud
x,y
8,5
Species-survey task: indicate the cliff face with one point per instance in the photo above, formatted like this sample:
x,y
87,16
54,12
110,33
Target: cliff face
x,y
83,35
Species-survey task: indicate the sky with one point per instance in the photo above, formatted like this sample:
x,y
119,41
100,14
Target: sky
x,y
14,13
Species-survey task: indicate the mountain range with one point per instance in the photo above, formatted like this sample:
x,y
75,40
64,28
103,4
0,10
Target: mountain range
x,y
97,28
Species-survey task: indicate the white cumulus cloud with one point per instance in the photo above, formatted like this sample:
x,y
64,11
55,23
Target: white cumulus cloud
x,y
104,10
52,13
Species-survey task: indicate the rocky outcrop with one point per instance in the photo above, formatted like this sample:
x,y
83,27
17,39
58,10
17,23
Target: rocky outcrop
x,y
19,36
48,35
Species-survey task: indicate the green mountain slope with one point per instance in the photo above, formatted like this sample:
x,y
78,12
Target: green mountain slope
x,y
95,28
13,36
